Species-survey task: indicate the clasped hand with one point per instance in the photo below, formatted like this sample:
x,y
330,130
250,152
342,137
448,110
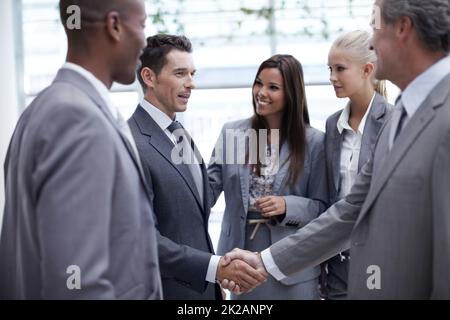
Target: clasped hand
x,y
271,206
241,271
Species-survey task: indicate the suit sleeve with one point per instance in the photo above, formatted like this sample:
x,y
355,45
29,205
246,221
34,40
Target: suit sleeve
x,y
441,220
184,263
302,210
74,179
326,235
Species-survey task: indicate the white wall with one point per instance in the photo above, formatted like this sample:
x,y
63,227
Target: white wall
x,y
8,87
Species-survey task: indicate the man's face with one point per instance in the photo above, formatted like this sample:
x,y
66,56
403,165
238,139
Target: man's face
x,y
385,45
133,41
171,88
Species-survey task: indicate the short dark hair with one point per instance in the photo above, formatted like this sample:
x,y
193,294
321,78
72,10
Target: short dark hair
x,y
155,53
431,19
91,13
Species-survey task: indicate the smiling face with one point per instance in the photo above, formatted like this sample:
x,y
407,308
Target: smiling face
x,y
346,76
268,93
170,90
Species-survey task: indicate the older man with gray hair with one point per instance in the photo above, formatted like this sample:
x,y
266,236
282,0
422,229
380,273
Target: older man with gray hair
x,y
396,219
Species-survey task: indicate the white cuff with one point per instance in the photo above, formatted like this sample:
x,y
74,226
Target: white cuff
x,y
270,265
212,269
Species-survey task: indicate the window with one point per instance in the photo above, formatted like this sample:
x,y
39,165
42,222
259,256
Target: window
x,y
231,38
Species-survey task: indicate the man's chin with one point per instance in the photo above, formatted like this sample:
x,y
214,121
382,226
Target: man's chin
x,y
181,108
126,79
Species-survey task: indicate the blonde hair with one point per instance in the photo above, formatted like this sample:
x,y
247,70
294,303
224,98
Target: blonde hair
x,y
357,44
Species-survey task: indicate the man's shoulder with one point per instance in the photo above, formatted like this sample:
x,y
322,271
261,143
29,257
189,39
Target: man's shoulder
x,y
61,110
62,95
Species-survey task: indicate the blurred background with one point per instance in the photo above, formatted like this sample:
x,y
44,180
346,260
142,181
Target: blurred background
x,y
230,37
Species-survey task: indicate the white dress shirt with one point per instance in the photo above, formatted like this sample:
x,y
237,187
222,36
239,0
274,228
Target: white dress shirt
x,y
97,84
351,147
164,121
412,97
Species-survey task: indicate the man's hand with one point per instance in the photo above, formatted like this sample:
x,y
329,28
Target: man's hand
x,y
240,273
251,258
271,206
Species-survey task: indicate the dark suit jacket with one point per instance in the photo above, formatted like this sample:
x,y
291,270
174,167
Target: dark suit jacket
x,y
75,197
184,245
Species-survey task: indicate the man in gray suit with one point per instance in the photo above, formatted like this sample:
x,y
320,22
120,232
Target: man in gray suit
x,y
182,197
78,218
396,219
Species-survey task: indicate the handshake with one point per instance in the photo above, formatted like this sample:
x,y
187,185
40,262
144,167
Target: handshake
x,y
241,271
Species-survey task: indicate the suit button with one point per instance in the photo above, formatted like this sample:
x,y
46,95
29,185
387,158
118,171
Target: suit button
x,y
356,244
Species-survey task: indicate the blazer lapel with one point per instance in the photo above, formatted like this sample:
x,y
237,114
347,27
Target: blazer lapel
x,y
159,140
421,119
205,189
283,168
244,173
336,141
373,125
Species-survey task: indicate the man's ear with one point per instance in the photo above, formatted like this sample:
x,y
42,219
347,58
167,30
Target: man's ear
x,y
404,28
148,77
114,25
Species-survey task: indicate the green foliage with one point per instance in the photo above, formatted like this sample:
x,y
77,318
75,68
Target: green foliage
x,y
166,16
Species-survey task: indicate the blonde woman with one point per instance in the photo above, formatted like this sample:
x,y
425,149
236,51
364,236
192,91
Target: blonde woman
x,y
350,133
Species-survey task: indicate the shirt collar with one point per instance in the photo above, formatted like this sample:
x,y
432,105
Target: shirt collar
x,y
162,119
419,89
97,84
342,123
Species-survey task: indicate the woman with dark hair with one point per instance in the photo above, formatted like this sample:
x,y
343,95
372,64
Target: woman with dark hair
x,y
271,168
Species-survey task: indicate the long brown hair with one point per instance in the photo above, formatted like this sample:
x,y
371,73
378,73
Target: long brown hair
x,y
295,117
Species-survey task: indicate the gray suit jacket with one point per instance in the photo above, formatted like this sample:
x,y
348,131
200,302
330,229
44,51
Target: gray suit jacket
x,y
185,248
337,268
74,197
396,218
304,201
333,142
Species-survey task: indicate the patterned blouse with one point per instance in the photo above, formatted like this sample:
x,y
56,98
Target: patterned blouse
x,y
262,186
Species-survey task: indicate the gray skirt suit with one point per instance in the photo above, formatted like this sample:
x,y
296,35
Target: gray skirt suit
x,y
305,200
